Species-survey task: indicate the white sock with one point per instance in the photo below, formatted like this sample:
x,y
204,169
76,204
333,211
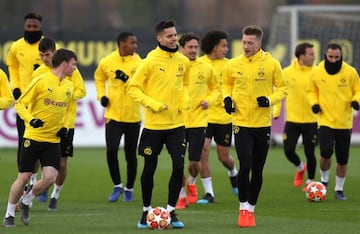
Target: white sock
x,y
147,208
170,208
10,211
128,189
244,206
207,184
324,175
339,186
56,191
28,198
233,172
118,186
308,181
300,167
191,180
251,208
33,179
182,192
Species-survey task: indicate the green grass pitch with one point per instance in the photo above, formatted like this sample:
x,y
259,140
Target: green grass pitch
x,y
83,206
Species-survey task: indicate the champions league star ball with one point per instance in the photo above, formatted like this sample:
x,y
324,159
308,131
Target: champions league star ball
x,y
158,218
315,192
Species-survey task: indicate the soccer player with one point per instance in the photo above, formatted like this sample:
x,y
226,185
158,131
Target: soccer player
x,y
6,97
122,113
300,120
333,91
159,84
42,106
252,83
23,58
214,45
47,49
204,91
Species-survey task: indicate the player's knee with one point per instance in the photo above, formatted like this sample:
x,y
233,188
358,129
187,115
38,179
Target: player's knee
x,y
326,153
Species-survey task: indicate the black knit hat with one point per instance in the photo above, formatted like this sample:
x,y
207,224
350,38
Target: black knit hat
x,y
33,16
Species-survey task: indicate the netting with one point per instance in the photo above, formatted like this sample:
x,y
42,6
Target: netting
x,y
319,25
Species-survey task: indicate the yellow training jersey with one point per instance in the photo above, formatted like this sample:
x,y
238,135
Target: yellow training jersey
x,y
162,79
203,85
21,61
121,107
6,97
217,113
79,92
46,98
247,78
298,108
334,93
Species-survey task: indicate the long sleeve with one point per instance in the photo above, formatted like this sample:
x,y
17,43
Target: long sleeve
x,y
6,97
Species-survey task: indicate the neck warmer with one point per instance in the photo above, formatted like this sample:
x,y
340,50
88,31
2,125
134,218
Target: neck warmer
x,y
169,49
333,68
32,37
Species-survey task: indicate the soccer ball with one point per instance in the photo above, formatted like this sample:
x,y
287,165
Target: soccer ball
x,y
315,192
158,218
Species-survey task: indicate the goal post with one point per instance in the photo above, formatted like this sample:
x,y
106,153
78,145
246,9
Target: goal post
x,y
319,25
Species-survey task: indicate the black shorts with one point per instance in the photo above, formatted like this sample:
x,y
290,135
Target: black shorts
x,y
335,138
195,138
47,153
222,133
152,141
66,144
308,131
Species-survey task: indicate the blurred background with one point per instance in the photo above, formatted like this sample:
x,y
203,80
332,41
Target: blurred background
x,y
90,28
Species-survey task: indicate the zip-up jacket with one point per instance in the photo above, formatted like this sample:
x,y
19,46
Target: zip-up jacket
x,y
161,80
247,78
121,107
334,94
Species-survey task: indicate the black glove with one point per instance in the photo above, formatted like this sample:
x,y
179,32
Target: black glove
x,y
36,123
263,101
16,93
355,105
121,75
36,66
63,132
316,108
228,105
104,101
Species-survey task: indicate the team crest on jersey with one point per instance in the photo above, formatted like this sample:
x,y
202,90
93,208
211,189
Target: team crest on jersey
x,y
26,143
261,72
180,70
342,82
148,150
68,93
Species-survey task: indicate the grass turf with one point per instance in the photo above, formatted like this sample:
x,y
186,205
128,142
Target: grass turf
x,y
83,206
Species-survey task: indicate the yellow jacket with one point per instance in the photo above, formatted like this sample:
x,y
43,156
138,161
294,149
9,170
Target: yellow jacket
x,y
162,79
121,107
217,113
79,92
247,78
298,108
334,93
203,85
21,59
47,99
6,97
